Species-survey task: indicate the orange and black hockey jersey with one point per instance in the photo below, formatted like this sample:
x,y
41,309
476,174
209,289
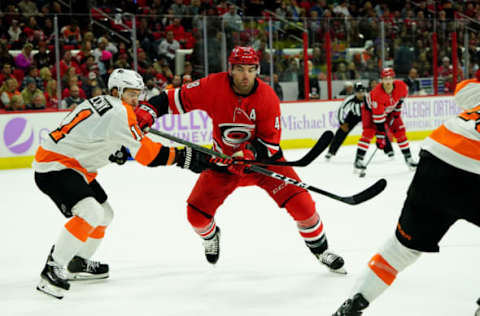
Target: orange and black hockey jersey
x,y
457,142
88,135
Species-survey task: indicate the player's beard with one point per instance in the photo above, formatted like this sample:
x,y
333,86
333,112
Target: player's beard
x,y
243,86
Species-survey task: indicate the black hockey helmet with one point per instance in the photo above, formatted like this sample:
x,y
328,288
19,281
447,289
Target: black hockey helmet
x,y
359,87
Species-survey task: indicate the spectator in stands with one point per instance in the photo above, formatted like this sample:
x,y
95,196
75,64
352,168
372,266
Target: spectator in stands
x,y
88,66
10,96
6,73
84,53
314,85
27,7
122,61
32,73
51,93
178,30
92,82
24,59
178,8
167,49
71,34
372,84
73,99
96,92
45,74
403,58
14,32
341,73
188,70
176,82
151,90
5,56
30,92
43,58
277,87
73,81
412,82
347,90
231,20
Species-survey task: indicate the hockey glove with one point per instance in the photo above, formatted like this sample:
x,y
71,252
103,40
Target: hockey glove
x,y
239,168
120,156
194,160
146,114
381,140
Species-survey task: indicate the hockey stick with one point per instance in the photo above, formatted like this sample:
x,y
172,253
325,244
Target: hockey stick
x,y
358,198
364,171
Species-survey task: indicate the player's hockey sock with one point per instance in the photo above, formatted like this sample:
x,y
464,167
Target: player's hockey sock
x,y
88,214
96,237
206,232
383,268
313,233
360,154
92,243
337,141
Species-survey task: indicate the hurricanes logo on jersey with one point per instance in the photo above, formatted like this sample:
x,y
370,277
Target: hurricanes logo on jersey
x,y
233,134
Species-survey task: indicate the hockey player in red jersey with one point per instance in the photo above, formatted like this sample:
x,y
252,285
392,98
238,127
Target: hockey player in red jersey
x,y
381,117
246,124
440,194
66,166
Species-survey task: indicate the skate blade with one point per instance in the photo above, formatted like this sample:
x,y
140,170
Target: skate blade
x,y
54,291
339,270
81,276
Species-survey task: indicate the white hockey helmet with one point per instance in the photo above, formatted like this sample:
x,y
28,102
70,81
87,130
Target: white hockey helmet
x,y
125,79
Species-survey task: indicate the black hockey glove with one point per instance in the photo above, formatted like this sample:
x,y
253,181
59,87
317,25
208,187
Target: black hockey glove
x,y
120,156
194,160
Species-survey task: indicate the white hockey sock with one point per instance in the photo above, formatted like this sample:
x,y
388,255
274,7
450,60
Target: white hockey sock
x,y
88,214
96,237
66,247
383,268
91,245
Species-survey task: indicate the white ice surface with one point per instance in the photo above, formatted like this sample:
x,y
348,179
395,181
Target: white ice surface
x,y
157,262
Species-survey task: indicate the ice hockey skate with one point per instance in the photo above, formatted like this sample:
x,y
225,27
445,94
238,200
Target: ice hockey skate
x,y
352,307
477,313
84,269
53,280
358,167
334,262
412,165
212,247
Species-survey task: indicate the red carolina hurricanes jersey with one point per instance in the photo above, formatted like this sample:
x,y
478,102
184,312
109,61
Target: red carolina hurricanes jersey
x,y
383,104
236,119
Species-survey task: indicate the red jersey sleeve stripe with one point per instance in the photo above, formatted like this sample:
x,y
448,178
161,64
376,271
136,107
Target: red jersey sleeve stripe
x,y
175,102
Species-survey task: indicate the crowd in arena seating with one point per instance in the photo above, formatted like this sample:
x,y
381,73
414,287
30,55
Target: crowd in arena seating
x,y
92,45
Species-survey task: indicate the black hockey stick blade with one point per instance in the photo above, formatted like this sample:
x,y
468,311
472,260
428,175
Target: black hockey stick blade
x,y
366,194
310,156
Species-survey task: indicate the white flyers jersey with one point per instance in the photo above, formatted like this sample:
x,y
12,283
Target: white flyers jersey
x,y
88,135
457,142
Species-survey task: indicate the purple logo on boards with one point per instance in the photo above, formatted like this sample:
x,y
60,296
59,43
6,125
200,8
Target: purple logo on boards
x,y
18,135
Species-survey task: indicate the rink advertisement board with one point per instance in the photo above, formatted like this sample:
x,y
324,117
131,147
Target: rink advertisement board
x,y
302,123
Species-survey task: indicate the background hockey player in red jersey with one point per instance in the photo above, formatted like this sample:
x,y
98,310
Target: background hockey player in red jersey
x,y
246,124
382,115
441,193
66,165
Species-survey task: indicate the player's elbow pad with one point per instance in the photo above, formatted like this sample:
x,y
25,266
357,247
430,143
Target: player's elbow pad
x,y
160,102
